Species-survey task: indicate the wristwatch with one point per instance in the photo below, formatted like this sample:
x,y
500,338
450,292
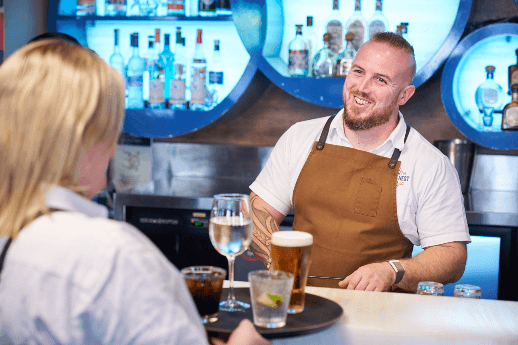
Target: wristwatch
x,y
398,268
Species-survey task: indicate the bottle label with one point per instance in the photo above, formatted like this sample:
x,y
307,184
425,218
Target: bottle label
x,y
511,117
85,7
298,59
215,78
198,91
176,6
375,27
135,81
490,97
359,33
335,29
177,91
156,91
345,67
514,77
179,70
199,73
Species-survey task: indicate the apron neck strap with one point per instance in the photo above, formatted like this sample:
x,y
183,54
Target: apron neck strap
x,y
325,131
397,152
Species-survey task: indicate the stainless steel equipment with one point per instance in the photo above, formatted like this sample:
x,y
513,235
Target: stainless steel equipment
x,y
461,154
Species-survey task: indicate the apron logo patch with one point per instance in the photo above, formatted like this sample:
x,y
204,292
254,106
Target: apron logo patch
x,y
402,177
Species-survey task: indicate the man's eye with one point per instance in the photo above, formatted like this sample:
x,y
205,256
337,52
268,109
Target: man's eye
x,y
381,80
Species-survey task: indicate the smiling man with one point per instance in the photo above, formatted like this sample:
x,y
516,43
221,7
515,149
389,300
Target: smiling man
x,y
366,185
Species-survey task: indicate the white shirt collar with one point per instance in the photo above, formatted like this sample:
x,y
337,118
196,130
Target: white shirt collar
x,y
396,139
66,200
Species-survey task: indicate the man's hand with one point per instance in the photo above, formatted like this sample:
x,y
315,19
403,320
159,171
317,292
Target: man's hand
x,y
244,334
371,277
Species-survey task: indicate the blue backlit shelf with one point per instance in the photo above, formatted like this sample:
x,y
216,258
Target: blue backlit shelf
x,y
241,73
136,18
464,71
435,27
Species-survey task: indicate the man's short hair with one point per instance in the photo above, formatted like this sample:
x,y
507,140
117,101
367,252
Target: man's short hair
x,y
397,42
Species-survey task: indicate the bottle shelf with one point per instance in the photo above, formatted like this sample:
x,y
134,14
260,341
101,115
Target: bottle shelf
x,y
464,71
155,18
240,73
434,29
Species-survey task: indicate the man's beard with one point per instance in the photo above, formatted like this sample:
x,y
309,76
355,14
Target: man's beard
x,y
376,118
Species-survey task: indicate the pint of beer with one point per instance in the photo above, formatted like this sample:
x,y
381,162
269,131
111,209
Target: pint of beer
x,y
290,252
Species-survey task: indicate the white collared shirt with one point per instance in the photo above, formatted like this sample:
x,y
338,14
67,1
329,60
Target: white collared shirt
x,y
77,277
430,206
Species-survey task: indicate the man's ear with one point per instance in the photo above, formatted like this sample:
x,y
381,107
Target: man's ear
x,y
405,94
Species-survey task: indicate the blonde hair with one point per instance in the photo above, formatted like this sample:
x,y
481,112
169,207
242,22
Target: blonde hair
x,y
57,100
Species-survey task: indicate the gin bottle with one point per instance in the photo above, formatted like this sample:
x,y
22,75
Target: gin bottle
x,y
310,36
335,27
156,77
175,7
198,76
345,59
216,76
298,55
116,59
115,7
378,22
134,76
177,83
357,25
489,96
513,72
166,62
325,60
510,112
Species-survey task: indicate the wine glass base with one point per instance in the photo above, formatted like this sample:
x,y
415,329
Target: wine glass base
x,y
236,306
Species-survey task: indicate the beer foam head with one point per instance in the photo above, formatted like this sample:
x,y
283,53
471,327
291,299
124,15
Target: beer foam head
x,y
292,239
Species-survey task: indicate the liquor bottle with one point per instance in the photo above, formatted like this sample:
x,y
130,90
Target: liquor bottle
x,y
115,8
310,36
402,30
345,59
298,57
166,62
116,59
510,112
325,60
85,7
134,75
177,83
223,8
198,76
148,58
175,7
207,8
378,22
216,75
156,76
335,27
357,25
489,96
513,72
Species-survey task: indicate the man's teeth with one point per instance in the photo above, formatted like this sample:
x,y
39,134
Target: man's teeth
x,y
359,101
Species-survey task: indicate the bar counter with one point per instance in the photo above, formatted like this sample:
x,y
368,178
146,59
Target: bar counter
x,y
394,318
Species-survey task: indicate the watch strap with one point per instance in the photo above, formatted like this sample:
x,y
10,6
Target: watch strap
x,y
398,268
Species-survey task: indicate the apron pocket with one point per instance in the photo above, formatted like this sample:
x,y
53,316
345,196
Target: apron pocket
x,y
368,197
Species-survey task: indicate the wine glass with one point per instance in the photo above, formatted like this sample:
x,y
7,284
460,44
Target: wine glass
x,y
231,231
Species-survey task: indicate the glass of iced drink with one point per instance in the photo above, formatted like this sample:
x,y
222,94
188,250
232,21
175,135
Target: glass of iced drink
x,y
270,293
430,288
205,284
290,252
467,291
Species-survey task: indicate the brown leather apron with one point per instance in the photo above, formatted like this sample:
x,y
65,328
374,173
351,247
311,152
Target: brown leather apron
x,y
346,198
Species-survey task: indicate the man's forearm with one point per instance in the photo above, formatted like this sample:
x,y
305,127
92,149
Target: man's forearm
x,y
444,264
264,227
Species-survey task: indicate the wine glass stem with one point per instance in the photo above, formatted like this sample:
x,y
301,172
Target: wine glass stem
x,y
231,299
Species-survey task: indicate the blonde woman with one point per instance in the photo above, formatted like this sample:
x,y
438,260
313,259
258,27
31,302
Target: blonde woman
x,y
70,275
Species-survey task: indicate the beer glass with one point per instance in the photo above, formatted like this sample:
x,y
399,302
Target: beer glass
x,y
290,252
231,231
